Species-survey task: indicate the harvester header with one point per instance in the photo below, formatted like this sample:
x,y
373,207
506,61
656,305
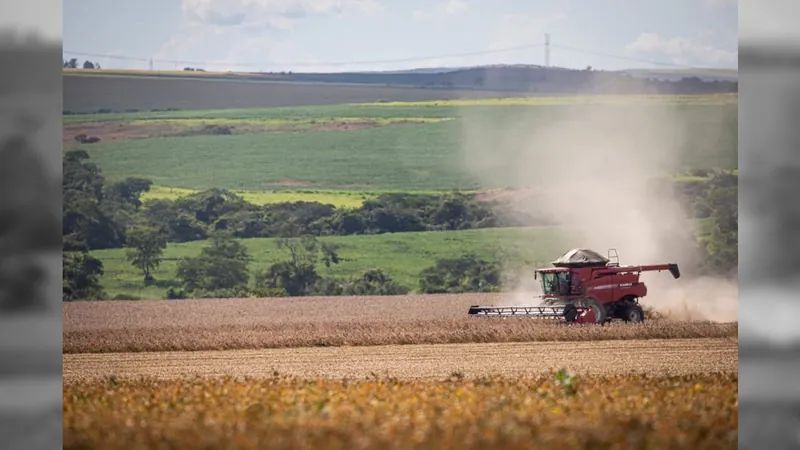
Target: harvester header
x,y
586,287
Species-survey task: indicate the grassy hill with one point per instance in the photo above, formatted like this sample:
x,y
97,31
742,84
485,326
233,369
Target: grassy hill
x,y
433,151
401,255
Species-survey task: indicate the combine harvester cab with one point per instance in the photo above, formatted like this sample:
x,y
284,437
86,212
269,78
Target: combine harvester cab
x,y
585,287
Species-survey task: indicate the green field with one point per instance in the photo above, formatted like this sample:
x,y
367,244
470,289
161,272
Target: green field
x,y
407,109
346,167
410,157
401,255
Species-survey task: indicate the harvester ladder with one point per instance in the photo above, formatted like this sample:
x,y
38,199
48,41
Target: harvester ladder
x,y
613,257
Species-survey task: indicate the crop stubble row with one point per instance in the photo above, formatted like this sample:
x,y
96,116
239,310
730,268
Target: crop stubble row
x,y
667,356
195,325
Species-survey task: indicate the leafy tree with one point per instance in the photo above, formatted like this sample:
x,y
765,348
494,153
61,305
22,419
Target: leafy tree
x,y
296,279
181,225
81,277
213,204
221,268
147,244
298,276
721,244
129,190
459,275
298,219
87,223
374,282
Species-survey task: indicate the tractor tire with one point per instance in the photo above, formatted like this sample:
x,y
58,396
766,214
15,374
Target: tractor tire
x,y
600,313
570,313
633,313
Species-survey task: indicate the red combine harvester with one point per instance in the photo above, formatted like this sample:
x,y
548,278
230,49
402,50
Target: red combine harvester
x,y
585,287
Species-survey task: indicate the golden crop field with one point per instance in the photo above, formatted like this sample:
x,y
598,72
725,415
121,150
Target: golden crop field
x,y
339,373
224,324
552,410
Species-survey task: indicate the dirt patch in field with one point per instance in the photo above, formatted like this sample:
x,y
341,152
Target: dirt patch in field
x,y
143,129
672,356
357,186
106,131
350,126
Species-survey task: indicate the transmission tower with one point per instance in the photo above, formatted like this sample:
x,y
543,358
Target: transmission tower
x,y
547,49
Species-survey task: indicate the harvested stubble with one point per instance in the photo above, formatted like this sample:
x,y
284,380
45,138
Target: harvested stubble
x,y
316,334
654,357
631,411
91,327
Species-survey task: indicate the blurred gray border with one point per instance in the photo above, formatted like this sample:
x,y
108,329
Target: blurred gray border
x,y
30,324
769,224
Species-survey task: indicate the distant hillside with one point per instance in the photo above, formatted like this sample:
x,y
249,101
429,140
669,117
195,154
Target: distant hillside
x,y
532,79
424,70
677,74
662,74
512,79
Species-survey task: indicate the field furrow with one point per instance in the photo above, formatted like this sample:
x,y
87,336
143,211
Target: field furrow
x,y
670,356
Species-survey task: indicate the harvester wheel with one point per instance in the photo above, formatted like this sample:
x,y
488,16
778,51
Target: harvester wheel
x,y
598,309
633,313
570,313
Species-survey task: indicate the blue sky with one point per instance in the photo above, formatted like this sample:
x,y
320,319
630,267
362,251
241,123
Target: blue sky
x,y
322,35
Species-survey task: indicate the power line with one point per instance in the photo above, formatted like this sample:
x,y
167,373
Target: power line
x,y
547,44
307,64
627,58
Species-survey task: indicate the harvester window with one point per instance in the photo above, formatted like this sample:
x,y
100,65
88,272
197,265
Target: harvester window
x,y
563,283
549,284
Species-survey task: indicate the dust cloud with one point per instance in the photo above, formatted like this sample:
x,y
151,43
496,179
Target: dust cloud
x,y
598,170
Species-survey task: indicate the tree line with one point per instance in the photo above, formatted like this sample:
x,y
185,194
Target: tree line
x,y
72,63
101,214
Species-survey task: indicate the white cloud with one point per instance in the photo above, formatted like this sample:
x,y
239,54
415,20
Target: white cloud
x,y
679,50
241,12
442,7
453,7
248,34
720,3
705,34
